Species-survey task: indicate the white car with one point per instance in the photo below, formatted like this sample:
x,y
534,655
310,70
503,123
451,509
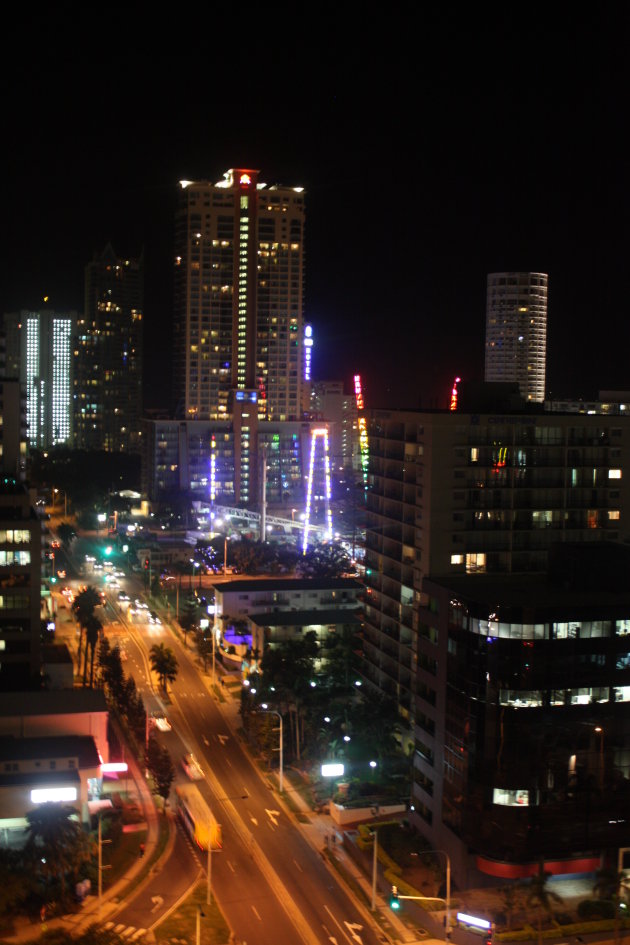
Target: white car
x,y
161,723
192,767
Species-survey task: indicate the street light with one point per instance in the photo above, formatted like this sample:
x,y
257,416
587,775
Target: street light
x,y
65,501
225,541
266,708
600,732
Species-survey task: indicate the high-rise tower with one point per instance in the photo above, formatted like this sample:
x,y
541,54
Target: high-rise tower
x,y
108,366
239,281
516,331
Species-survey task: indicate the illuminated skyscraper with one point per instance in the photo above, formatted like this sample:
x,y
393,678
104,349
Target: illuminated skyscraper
x,y
239,280
39,353
516,331
108,365
238,300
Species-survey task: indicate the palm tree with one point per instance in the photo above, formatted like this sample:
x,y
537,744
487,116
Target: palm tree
x,y
84,606
541,898
93,627
164,663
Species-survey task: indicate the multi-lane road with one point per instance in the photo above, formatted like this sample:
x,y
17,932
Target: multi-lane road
x,y
272,885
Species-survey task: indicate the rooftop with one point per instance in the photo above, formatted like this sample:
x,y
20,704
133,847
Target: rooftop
x,y
289,584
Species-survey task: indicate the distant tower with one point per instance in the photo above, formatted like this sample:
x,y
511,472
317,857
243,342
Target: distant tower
x,y
108,366
516,331
39,353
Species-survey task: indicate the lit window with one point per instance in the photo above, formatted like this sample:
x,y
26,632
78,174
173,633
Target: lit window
x,y
614,474
475,562
613,515
457,559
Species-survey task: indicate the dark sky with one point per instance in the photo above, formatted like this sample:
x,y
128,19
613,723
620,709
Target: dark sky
x,y
434,147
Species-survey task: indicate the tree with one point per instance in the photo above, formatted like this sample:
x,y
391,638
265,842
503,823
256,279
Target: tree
x,y
58,848
610,884
66,534
325,561
93,627
188,617
164,663
541,898
111,666
161,766
83,607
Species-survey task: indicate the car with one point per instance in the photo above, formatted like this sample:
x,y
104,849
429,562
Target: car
x,y
153,617
192,767
119,574
161,723
123,597
140,604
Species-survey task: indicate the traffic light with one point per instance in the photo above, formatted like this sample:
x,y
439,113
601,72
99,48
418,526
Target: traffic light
x,y
394,902
146,564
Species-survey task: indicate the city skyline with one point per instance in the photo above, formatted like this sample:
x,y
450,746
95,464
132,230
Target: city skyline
x,y
491,146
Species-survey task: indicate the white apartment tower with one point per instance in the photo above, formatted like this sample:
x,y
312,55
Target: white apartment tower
x,y
39,352
516,331
239,283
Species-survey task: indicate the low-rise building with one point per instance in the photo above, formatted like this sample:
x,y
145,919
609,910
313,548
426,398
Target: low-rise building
x,y
62,768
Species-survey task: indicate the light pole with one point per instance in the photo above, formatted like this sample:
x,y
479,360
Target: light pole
x,y
266,708
600,732
447,931
374,866
225,541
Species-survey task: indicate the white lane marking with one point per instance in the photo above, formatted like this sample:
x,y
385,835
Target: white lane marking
x,y
229,863
256,913
253,820
298,866
206,742
223,739
272,815
356,938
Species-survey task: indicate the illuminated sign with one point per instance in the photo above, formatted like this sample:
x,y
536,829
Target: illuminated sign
x,y
473,920
114,767
332,770
245,180
361,423
44,795
308,351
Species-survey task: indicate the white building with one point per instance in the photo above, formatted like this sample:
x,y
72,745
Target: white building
x,y
516,331
39,351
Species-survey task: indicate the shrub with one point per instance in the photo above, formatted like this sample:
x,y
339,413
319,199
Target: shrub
x,y
596,909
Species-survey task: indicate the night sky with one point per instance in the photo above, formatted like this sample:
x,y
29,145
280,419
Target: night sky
x,y
434,147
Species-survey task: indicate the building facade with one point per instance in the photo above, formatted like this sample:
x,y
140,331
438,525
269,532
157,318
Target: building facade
x,y
454,494
239,283
108,355
20,588
516,331
39,353
522,722
467,497
205,459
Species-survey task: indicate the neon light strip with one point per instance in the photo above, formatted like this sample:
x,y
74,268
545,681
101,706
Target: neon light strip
x,y
454,393
363,437
315,434
213,468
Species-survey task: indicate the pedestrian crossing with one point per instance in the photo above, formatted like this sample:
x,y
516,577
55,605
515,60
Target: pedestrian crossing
x,y
129,932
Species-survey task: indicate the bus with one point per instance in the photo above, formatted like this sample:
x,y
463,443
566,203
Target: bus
x,y
197,817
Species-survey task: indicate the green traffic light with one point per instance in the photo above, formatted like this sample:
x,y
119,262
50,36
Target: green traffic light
x,y
394,902
108,550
